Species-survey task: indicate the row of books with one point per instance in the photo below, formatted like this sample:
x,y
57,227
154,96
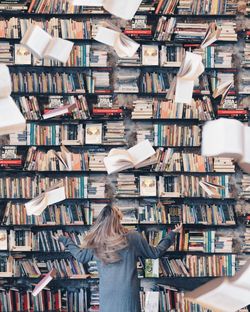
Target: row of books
x,y
166,29
246,240
91,82
191,266
62,300
189,240
151,212
81,56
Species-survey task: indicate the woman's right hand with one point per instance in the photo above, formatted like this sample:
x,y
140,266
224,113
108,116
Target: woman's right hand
x,y
55,236
178,228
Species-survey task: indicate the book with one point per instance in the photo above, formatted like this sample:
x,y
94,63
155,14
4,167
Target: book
x,y
125,10
224,294
212,34
152,301
93,134
3,240
65,109
51,196
191,68
43,45
232,141
148,186
150,55
222,90
44,282
136,156
11,119
211,188
122,44
22,55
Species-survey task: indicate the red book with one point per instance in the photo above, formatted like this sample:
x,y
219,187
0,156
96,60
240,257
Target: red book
x,y
232,112
138,32
107,110
10,162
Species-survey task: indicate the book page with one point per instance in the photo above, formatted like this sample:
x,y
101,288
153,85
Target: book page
x,y
123,9
212,34
242,278
36,40
5,82
184,91
222,137
11,119
56,195
37,205
58,49
88,2
222,89
141,152
106,35
195,70
124,46
117,160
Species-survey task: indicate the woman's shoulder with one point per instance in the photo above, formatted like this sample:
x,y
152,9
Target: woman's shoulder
x,y
132,235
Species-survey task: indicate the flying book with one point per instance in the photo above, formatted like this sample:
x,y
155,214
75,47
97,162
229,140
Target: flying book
x,y
11,119
122,44
225,294
227,138
122,9
211,189
137,156
62,110
51,196
222,90
44,282
190,70
43,45
212,35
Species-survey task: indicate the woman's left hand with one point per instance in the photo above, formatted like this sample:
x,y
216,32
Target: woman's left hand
x,y
178,228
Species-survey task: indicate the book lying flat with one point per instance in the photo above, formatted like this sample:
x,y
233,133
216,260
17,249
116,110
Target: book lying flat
x,y
224,294
190,70
122,44
43,45
44,282
122,9
136,156
212,35
211,189
51,196
227,138
65,109
11,119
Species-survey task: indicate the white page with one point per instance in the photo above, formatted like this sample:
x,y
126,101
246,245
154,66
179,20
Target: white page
x,y
36,40
106,35
11,119
3,240
222,137
117,160
56,195
5,81
88,2
244,162
141,152
184,91
152,301
37,205
124,46
242,278
197,67
222,89
121,8
59,49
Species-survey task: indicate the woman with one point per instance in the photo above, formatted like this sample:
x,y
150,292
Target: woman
x,y
116,251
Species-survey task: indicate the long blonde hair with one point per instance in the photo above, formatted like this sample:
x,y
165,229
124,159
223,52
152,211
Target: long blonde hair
x,y
107,236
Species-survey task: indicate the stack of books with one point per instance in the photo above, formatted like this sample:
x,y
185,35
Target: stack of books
x,y
223,164
144,132
134,61
143,109
246,59
99,82
114,133
6,53
138,28
96,161
127,81
244,86
126,185
96,188
246,241
9,157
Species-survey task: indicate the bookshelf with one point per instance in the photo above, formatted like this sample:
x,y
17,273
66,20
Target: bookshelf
x,y
80,289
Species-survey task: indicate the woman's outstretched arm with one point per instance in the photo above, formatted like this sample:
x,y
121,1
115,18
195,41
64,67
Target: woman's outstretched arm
x,y
145,250
82,255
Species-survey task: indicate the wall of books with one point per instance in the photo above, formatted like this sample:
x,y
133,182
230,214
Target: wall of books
x,y
100,99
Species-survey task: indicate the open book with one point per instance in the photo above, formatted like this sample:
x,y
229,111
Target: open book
x,y
137,156
222,90
190,70
11,119
211,189
43,45
224,294
51,196
212,34
44,282
123,9
227,138
122,44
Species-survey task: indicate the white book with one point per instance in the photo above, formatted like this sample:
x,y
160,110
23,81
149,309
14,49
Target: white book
x,y
65,109
148,186
5,82
51,196
93,134
3,240
122,44
122,9
43,45
222,90
224,294
118,159
152,301
212,35
44,282
190,70
11,119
